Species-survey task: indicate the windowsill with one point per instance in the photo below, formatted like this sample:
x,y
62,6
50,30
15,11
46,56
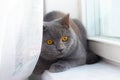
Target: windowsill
x,y
107,48
86,72
106,40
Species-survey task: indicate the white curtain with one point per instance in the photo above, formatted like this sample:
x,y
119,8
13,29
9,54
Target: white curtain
x,y
20,37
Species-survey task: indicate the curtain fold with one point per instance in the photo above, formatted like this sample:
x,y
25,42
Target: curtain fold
x,y
20,37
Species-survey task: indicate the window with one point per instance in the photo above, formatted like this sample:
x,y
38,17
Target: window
x,y
102,17
110,18
102,21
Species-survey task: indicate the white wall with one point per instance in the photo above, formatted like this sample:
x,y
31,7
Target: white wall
x,y
67,6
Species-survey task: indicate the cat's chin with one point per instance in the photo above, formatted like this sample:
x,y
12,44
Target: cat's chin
x,y
62,54
51,57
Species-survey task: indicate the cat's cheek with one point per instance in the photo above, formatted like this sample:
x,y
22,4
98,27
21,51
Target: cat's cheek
x,y
56,67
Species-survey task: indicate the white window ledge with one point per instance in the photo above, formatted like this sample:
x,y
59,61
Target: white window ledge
x,y
106,47
99,71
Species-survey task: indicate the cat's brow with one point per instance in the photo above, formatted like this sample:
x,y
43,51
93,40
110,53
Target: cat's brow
x,y
54,35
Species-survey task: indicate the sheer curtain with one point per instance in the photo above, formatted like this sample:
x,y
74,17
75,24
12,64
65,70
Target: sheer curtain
x,y
20,37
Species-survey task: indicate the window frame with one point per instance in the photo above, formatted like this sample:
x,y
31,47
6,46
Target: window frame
x,y
90,17
98,44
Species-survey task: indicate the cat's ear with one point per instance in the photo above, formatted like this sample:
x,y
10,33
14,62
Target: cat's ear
x,y
65,20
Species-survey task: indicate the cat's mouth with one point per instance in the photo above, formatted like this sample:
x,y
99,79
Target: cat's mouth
x,y
56,56
51,55
61,54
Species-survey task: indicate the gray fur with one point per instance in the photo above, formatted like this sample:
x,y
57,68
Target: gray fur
x,y
61,56
73,54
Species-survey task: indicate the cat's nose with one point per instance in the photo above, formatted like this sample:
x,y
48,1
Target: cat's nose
x,y
60,50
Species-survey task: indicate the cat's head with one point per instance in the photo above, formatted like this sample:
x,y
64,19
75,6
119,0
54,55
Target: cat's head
x,y
58,38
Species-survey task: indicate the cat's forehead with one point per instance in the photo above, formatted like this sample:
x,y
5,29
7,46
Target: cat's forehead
x,y
54,30
51,24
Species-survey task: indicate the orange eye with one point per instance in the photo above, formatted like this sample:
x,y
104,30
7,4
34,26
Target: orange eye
x,y
64,38
49,42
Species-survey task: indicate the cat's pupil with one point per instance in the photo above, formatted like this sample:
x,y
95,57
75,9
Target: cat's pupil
x,y
64,38
49,42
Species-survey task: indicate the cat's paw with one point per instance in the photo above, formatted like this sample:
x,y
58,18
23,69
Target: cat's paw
x,y
56,67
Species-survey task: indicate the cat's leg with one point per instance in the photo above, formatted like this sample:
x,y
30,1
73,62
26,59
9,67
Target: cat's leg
x,y
63,65
35,77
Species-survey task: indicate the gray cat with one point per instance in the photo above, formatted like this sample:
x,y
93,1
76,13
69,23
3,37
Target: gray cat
x,y
64,44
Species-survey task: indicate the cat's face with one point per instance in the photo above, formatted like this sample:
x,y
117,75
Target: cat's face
x,y
57,38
